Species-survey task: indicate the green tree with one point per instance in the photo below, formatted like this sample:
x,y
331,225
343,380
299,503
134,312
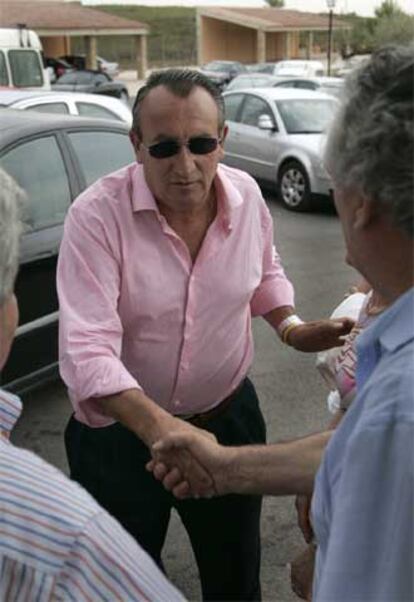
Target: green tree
x,y
395,29
276,3
389,8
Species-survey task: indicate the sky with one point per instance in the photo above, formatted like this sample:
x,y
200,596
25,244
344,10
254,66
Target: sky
x,y
361,7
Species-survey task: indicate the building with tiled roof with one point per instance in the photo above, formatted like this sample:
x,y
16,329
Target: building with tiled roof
x,y
57,22
257,34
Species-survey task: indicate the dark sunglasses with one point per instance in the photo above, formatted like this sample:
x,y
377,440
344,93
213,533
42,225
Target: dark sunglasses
x,y
200,145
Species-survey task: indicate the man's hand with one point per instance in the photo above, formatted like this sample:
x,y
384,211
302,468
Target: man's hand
x,y
319,335
190,464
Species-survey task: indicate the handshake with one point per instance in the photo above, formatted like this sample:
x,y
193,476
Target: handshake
x,y
190,463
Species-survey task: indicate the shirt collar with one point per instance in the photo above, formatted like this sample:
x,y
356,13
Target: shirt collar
x,y
228,196
10,410
394,327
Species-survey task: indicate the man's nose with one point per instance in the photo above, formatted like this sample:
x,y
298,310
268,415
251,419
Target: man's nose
x,y
184,160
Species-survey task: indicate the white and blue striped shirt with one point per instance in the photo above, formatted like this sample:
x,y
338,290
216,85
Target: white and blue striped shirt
x,y
56,542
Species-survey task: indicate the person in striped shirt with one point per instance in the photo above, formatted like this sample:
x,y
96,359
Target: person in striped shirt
x,y
56,542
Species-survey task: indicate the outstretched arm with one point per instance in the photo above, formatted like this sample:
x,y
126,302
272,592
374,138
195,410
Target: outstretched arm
x,y
316,335
278,469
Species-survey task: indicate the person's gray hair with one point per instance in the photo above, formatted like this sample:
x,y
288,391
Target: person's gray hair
x,y
370,145
180,82
11,199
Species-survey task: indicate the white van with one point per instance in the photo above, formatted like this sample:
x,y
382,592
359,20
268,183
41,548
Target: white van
x,y
21,62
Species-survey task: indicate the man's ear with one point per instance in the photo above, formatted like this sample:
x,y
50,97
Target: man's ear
x,y
224,134
136,143
223,137
364,212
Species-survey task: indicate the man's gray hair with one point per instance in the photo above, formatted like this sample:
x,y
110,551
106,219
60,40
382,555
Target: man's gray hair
x,y
180,82
370,145
11,198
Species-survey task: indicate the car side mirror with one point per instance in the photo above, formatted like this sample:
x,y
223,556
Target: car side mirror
x,y
265,123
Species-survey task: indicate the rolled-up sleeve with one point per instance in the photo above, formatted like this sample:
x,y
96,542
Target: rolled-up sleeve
x,y
90,330
275,289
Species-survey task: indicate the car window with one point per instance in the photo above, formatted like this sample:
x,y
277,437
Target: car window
x,y
306,85
100,78
289,84
60,108
38,167
88,109
99,153
26,68
306,116
231,106
252,109
4,78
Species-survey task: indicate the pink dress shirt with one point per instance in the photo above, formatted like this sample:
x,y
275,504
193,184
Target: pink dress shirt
x,y
136,312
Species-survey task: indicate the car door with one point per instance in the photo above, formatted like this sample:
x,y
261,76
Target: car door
x,y
254,148
43,170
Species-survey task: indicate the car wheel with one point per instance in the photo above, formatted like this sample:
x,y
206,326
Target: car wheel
x,y
124,97
293,186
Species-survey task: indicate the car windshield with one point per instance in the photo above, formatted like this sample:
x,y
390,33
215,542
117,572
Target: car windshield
x,y
217,66
306,116
26,68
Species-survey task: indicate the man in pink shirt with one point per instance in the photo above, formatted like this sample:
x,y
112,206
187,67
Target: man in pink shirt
x,y
163,264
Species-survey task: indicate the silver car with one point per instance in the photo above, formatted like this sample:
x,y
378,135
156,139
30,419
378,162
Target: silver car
x,y
277,135
67,103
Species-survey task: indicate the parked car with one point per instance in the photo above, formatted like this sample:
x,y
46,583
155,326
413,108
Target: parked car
x,y
93,82
267,67
299,68
222,72
327,85
253,80
67,103
277,135
78,61
53,158
57,67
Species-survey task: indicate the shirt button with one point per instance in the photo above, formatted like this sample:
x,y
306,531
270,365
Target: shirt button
x,y
177,403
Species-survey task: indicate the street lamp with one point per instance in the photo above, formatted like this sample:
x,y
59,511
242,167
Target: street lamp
x,y
331,6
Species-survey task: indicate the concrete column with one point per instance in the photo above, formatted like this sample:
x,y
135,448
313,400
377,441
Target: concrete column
x,y
309,46
199,38
141,56
286,50
90,43
260,46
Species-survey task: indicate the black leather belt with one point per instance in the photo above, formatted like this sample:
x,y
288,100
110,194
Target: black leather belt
x,y
204,417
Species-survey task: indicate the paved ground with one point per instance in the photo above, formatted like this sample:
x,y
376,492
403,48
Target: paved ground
x,y
129,78
291,392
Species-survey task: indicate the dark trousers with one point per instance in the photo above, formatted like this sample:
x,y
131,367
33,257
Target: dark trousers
x,y
224,532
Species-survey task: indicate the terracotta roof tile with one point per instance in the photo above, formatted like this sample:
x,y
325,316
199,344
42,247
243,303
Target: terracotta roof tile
x,y
272,18
42,16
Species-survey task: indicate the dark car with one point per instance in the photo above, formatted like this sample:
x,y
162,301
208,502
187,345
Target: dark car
x,y
93,82
222,72
53,158
59,66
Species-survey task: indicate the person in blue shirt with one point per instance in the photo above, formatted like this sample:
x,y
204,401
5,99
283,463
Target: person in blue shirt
x,y
363,501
